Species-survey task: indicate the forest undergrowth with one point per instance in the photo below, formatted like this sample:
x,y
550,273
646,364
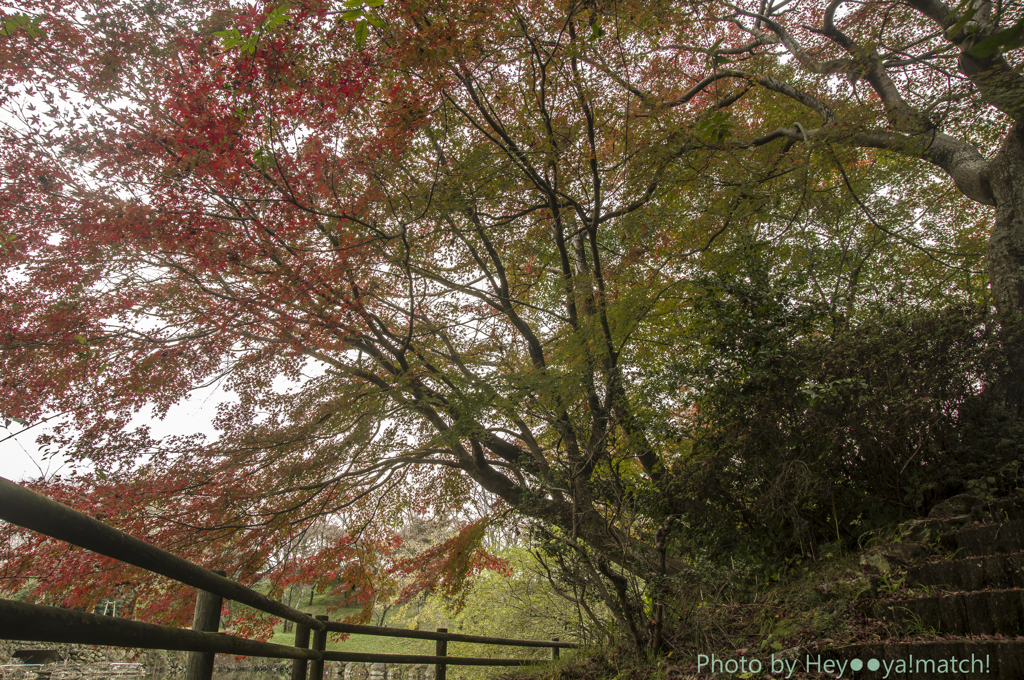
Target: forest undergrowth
x,y
811,451
816,604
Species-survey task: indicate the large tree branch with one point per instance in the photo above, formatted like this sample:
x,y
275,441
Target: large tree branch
x,y
961,161
791,44
867,63
805,98
999,83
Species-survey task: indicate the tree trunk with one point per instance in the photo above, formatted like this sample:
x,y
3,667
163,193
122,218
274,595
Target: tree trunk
x,y
1006,244
288,625
1006,247
579,520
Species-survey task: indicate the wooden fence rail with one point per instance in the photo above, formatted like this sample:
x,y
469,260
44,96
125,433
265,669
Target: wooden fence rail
x,y
34,511
338,627
23,621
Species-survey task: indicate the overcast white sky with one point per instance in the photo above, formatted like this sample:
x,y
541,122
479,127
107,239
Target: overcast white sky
x,y
20,459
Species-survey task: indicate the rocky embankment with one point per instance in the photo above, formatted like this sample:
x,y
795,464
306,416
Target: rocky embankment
x,y
956,595
74,662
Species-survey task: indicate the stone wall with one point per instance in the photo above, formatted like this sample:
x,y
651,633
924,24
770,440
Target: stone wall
x,y
380,671
159,662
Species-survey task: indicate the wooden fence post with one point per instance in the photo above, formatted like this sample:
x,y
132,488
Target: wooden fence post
x,y
554,650
441,649
316,667
206,618
302,642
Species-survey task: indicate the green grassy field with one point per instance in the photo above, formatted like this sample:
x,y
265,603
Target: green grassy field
x,y
355,643
389,645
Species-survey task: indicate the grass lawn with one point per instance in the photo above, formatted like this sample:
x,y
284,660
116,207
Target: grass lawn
x,y
356,643
389,645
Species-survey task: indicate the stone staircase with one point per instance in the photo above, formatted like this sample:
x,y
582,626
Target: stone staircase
x,y
961,612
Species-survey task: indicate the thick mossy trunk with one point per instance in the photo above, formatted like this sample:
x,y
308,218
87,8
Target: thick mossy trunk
x,y
1006,247
1006,244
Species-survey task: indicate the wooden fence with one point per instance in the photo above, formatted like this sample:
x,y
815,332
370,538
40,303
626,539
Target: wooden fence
x,y
23,621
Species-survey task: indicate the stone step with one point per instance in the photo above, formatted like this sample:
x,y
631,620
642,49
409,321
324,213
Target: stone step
x,y
972,573
1007,537
987,612
930,529
1004,510
979,659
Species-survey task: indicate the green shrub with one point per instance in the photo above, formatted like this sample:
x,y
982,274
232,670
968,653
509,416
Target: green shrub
x,y
810,429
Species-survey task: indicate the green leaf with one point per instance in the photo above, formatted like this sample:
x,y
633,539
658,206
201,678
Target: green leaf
x,y
959,26
32,27
352,15
262,158
232,38
716,128
362,31
353,3
959,8
1003,38
374,3
375,20
19,21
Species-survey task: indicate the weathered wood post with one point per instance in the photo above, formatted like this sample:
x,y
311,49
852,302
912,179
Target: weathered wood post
x,y
206,618
554,650
302,642
316,667
441,649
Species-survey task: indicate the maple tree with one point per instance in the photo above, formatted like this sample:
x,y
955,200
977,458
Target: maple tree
x,y
464,229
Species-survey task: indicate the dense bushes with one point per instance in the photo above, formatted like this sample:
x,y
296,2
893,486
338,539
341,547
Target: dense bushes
x,y
809,429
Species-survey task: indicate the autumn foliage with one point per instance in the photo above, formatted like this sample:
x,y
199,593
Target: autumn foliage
x,y
467,233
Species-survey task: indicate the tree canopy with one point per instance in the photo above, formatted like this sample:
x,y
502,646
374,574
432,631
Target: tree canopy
x,y
476,235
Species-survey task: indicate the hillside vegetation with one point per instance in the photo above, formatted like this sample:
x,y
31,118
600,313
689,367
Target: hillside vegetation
x,y
659,313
